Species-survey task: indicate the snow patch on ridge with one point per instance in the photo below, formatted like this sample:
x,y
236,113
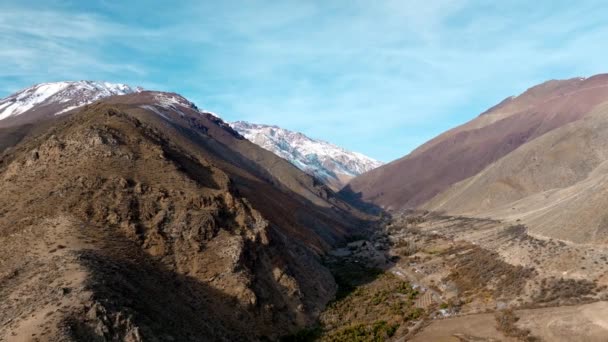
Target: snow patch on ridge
x,y
67,95
28,98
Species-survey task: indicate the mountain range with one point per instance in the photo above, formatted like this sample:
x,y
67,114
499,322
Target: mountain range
x,y
331,164
133,215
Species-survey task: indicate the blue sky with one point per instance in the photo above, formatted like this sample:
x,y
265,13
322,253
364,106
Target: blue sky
x,y
377,77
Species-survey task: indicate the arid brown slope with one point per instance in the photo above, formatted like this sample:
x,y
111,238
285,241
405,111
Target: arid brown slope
x,y
466,150
135,219
556,184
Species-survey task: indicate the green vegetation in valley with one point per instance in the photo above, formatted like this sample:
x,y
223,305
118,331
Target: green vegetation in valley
x,y
370,305
371,311
377,331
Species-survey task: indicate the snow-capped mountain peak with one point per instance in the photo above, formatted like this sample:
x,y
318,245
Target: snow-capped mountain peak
x,y
330,163
60,97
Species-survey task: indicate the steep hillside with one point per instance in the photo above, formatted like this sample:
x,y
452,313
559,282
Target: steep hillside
x,y
466,150
555,184
139,217
333,165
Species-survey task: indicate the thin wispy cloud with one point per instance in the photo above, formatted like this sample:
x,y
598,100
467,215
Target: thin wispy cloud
x,y
379,78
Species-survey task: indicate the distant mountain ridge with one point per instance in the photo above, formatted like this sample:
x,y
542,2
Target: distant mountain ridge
x,y
328,162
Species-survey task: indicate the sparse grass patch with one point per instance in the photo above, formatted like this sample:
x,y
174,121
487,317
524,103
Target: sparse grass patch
x,y
565,291
478,268
406,247
506,322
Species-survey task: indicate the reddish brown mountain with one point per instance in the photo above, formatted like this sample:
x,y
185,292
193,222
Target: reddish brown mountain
x,y
468,149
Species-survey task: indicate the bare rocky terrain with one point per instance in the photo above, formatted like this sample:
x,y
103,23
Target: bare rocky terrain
x,y
140,218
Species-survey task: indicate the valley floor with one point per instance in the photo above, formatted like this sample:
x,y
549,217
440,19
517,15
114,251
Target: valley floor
x,y
428,277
